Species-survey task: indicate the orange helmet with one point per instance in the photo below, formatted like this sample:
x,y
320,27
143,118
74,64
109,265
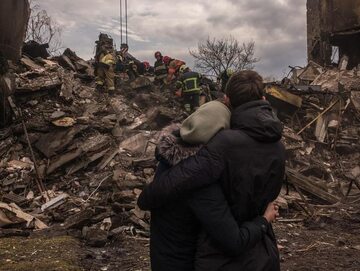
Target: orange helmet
x,y
166,60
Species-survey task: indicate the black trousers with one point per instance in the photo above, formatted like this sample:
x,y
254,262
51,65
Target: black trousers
x,y
191,101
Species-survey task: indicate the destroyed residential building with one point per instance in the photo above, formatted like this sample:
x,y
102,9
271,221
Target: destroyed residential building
x,y
78,158
333,28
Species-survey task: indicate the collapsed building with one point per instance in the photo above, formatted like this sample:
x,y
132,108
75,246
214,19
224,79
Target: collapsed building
x,y
333,29
90,154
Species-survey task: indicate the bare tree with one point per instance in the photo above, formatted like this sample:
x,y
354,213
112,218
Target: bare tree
x,y
43,29
216,55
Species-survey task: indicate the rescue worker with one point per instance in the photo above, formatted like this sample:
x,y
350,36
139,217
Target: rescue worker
x,y
105,70
160,69
189,88
224,78
173,68
128,63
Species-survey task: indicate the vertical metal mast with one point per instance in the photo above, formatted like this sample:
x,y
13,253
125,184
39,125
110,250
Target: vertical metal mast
x,y
121,26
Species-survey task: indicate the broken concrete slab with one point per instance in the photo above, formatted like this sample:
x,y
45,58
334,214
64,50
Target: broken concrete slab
x,y
95,237
65,62
36,81
55,202
57,115
85,161
335,80
30,64
79,220
49,144
95,143
140,82
136,143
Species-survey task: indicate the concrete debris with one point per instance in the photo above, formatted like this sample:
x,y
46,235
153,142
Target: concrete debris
x,y
20,216
55,202
92,148
64,122
95,237
96,149
321,133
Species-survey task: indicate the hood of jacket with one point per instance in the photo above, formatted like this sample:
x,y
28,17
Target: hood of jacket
x,y
171,149
258,121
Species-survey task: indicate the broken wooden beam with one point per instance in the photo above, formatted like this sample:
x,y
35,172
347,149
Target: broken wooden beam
x,y
308,185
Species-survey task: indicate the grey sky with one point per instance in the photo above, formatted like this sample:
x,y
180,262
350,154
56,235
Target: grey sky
x,y
277,26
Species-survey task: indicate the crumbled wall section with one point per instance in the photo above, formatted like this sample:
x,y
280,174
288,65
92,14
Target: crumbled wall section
x,y
346,15
333,23
14,16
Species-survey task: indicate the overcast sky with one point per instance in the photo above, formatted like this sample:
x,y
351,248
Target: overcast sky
x,y
278,27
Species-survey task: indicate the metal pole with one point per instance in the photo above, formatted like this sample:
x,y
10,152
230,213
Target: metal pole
x,y
121,20
38,179
126,18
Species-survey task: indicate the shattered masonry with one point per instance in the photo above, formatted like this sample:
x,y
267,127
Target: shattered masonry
x,y
333,23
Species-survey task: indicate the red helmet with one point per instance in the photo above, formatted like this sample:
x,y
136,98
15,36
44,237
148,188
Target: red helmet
x,y
166,60
158,54
146,65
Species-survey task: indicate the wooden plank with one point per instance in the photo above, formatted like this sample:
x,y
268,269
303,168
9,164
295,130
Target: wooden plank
x,y
308,185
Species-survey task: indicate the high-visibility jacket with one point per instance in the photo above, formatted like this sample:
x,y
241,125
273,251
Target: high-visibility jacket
x,y
160,70
108,59
189,82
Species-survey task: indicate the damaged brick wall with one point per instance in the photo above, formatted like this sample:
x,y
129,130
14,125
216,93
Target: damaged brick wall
x,y
12,31
333,23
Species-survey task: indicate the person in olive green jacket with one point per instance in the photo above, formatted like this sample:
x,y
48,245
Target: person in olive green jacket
x,y
105,71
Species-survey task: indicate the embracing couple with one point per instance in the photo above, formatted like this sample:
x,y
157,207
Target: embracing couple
x,y
211,200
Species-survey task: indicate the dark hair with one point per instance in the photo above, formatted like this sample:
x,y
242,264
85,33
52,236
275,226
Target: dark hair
x,y
243,87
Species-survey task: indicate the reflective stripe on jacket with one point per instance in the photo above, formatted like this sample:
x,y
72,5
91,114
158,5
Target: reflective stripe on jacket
x,y
189,82
108,59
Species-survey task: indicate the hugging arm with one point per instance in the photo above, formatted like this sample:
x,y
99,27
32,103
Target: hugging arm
x,y
211,208
193,173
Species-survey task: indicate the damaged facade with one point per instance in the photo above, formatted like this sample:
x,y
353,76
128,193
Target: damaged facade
x,y
13,31
93,153
333,25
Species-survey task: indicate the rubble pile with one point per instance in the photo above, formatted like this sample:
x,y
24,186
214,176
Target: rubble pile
x,y
77,157
321,112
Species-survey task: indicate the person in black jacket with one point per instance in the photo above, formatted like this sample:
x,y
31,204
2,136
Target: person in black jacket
x,y
248,161
175,228
189,85
160,69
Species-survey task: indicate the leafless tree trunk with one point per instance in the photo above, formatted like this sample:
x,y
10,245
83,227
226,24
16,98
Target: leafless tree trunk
x,y
216,55
43,29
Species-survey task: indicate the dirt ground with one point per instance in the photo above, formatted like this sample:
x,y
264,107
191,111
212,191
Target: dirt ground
x,y
330,241
325,243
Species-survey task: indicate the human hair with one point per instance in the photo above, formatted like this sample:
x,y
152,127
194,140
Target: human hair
x,y
243,87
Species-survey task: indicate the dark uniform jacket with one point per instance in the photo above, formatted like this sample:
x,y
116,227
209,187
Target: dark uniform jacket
x,y
249,163
160,70
175,228
189,82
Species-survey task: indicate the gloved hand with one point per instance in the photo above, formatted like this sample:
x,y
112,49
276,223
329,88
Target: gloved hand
x,y
178,93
